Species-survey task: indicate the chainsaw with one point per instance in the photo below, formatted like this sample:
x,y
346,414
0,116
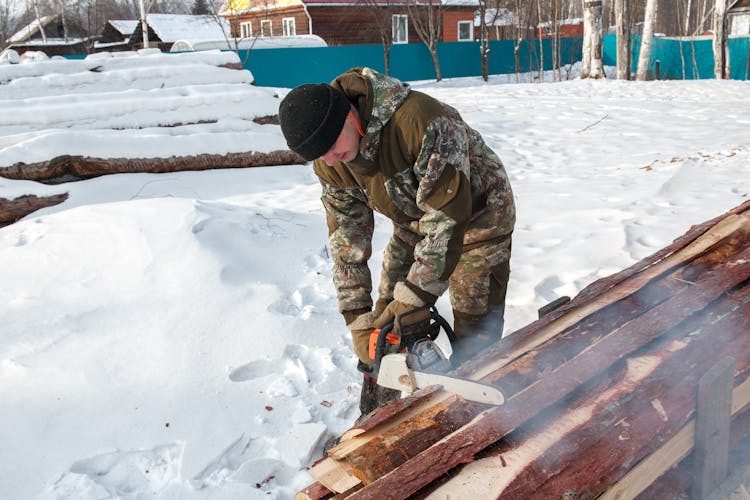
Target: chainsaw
x,y
414,361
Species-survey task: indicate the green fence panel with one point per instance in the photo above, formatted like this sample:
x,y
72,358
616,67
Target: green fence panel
x,y
289,67
686,59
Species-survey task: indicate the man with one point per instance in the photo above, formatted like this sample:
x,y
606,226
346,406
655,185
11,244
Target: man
x,y
379,145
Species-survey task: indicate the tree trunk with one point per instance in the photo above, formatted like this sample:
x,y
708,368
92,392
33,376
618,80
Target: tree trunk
x,y
436,61
624,63
721,66
592,65
648,32
541,42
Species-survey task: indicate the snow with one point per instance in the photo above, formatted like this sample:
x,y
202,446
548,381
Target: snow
x,y
176,336
172,27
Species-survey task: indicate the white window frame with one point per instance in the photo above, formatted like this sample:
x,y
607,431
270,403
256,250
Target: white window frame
x,y
289,26
396,20
471,31
263,23
246,29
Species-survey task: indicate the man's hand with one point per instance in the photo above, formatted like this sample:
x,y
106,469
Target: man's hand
x,y
361,328
403,316
406,306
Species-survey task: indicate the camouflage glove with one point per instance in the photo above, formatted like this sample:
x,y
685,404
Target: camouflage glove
x,y
361,328
405,302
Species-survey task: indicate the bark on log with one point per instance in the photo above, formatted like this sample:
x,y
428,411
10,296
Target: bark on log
x,y
391,449
15,209
493,424
73,168
521,372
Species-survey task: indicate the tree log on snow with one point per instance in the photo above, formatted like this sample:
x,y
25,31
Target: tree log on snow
x,y
72,168
12,210
591,389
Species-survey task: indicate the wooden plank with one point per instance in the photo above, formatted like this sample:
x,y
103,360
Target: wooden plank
x,y
717,233
315,491
713,416
491,425
673,451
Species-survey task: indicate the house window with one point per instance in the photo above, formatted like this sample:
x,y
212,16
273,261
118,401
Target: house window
x,y
290,27
246,30
266,28
400,28
465,31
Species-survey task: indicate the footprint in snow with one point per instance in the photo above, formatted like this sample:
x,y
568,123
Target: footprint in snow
x,y
135,473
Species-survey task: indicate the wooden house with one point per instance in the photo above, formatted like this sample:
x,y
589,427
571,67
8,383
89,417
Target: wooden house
x,y
567,28
50,35
116,35
349,22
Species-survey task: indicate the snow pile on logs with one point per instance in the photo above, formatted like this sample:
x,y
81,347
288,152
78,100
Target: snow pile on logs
x,y
600,393
145,111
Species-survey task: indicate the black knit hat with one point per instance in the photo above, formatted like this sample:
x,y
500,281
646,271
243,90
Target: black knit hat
x,y
312,116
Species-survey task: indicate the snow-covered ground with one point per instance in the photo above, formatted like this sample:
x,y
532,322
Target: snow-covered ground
x,y
177,336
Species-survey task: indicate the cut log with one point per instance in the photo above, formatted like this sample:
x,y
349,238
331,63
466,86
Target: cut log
x,y
593,388
73,168
572,316
580,431
521,372
391,449
15,209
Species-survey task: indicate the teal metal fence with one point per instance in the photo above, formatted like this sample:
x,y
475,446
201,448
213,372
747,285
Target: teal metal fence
x,y
677,59
289,67
686,59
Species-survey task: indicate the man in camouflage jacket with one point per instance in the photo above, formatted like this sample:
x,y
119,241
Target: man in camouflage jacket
x,y
379,145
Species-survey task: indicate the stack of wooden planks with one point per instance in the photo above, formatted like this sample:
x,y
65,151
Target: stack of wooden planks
x,y
600,393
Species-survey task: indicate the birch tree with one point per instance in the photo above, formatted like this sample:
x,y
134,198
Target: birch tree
x,y
592,65
721,62
648,34
622,29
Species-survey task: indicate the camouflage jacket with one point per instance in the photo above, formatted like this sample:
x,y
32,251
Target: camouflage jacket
x,y
424,168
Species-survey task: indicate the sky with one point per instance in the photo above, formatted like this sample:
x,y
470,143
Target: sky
x,y
176,336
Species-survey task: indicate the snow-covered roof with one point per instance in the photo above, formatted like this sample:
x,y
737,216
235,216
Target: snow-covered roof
x,y
172,27
234,7
51,41
572,20
265,42
28,31
497,17
124,26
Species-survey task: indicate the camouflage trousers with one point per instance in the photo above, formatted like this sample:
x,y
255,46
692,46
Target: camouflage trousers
x,y
477,291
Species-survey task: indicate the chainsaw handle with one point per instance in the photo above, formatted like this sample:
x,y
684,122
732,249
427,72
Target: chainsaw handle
x,y
380,345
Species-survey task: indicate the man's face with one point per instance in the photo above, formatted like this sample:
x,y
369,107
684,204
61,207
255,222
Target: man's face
x,y
346,147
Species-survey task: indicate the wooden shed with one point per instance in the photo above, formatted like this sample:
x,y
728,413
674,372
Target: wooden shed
x,y
50,35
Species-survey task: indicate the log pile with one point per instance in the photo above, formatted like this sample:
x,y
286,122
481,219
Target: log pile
x,y
145,112
600,393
